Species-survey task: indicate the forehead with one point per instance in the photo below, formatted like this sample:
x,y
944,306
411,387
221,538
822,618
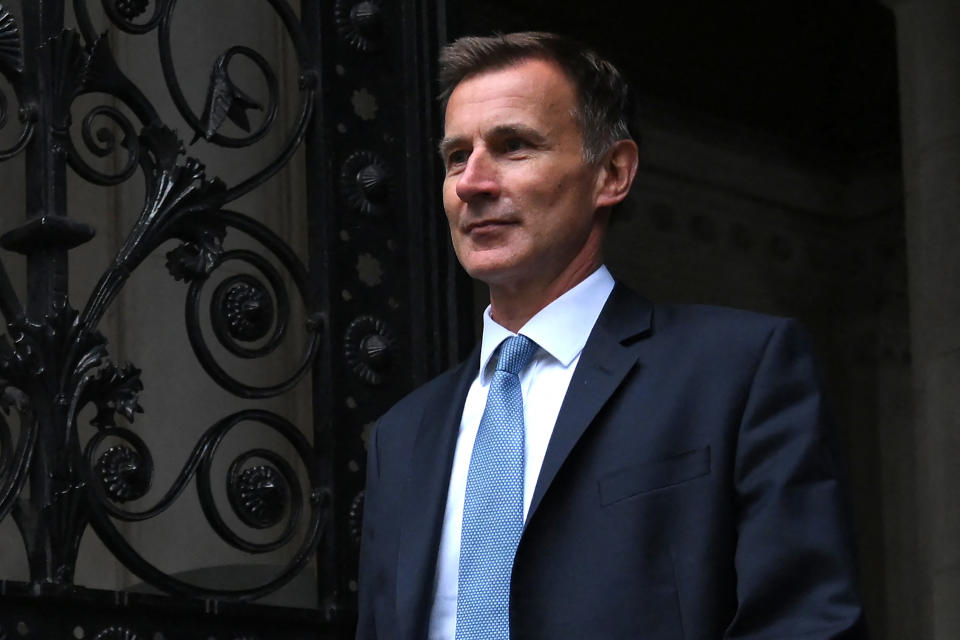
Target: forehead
x,y
530,91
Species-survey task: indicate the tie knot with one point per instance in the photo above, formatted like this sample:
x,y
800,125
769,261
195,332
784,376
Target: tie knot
x,y
515,353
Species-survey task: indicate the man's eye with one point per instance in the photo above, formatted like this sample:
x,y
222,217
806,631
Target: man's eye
x,y
515,144
457,157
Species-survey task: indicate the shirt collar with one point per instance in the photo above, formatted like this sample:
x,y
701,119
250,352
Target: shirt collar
x,y
561,328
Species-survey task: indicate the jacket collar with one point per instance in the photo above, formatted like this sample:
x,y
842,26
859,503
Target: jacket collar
x,y
612,350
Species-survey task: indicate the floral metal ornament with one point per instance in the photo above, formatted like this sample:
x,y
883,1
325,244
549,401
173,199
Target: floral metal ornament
x,y
365,183
225,100
246,306
369,347
11,67
115,390
124,474
131,9
360,23
11,60
356,518
117,633
259,496
196,259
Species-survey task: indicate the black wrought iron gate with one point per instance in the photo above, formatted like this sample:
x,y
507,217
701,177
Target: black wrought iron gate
x,y
377,290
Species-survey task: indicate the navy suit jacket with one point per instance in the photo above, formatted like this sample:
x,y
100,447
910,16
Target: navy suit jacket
x,y
690,490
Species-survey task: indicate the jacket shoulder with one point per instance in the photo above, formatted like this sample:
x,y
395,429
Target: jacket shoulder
x,y
720,323
435,389
710,316
713,336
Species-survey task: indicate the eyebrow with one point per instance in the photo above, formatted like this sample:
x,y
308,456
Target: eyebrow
x,y
500,131
448,143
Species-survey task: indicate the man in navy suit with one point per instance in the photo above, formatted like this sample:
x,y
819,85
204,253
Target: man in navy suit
x,y
679,478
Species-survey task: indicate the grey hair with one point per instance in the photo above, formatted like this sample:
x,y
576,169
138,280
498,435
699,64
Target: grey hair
x,y
604,101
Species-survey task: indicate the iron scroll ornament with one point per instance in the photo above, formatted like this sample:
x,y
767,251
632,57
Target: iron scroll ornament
x,y
55,365
11,67
199,464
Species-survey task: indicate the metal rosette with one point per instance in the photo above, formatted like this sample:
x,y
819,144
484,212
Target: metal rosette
x,y
131,9
117,633
365,183
369,346
124,473
11,68
11,59
355,517
360,23
244,311
259,495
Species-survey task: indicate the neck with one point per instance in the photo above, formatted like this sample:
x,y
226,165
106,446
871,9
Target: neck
x,y
513,306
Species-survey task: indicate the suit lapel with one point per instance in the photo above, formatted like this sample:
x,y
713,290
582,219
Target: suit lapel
x,y
610,353
426,497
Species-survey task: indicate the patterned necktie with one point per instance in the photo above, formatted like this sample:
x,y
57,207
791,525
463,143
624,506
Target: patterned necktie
x,y
493,503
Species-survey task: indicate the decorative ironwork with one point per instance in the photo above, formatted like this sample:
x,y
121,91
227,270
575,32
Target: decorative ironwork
x,y
365,183
9,42
67,106
225,100
55,362
369,346
356,517
11,67
131,9
233,327
117,633
124,474
246,308
360,23
258,495
115,390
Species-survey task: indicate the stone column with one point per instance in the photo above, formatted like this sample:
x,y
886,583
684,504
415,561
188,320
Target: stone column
x,y
928,40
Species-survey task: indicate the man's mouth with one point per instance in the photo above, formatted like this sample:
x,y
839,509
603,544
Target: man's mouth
x,y
487,225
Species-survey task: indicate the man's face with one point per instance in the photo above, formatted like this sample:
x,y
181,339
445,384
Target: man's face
x,y
520,199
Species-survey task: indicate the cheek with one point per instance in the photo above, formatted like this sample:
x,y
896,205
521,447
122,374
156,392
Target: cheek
x,y
450,202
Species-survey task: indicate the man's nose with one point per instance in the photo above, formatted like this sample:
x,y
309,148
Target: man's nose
x,y
479,178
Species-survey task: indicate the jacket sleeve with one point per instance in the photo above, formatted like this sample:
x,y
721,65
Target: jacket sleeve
x,y
796,572
366,622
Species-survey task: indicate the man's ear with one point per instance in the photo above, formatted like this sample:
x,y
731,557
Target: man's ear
x,y
618,169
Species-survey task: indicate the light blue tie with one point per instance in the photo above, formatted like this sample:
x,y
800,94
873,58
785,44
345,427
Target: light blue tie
x,y
493,503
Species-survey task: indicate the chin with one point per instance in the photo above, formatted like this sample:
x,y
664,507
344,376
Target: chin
x,y
486,266
485,270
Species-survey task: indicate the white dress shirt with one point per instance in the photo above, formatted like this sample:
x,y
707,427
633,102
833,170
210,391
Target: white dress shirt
x,y
561,330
